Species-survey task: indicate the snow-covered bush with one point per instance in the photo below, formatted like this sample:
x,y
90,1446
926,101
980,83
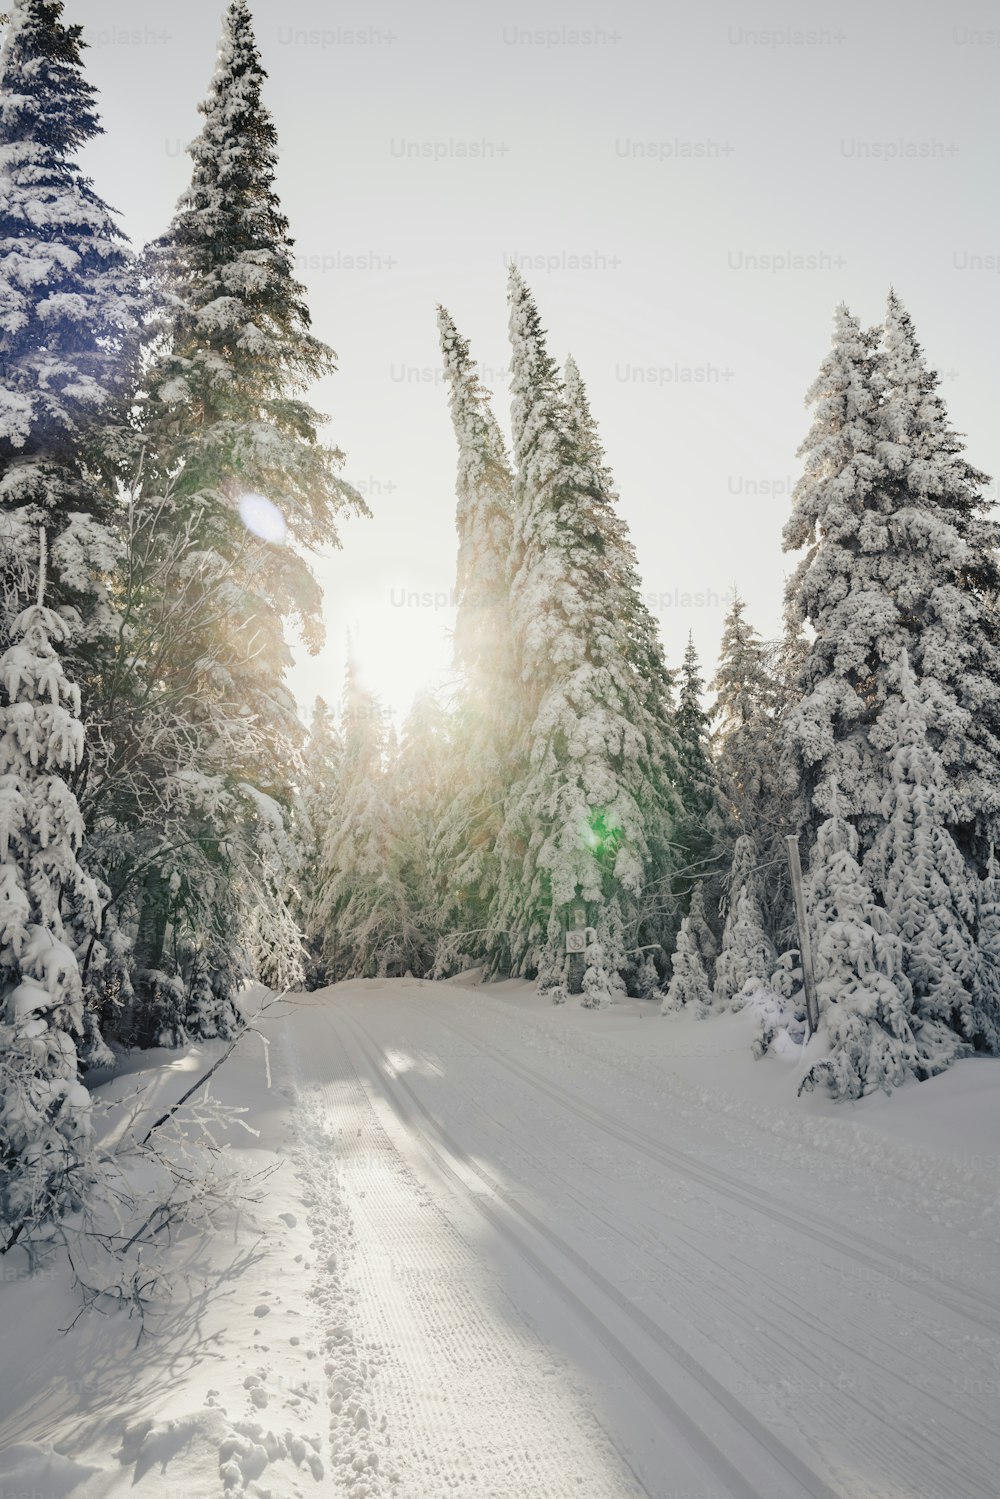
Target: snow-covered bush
x,y
781,1022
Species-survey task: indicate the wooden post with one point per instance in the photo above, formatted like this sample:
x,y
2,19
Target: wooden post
x,y
805,944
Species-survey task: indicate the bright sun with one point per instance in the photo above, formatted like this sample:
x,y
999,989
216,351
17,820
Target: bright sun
x,y
398,656
399,651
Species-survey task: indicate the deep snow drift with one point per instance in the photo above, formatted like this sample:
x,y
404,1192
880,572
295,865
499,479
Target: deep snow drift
x,y
523,1252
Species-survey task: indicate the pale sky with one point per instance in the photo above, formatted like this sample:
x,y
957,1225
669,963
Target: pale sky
x,y
654,169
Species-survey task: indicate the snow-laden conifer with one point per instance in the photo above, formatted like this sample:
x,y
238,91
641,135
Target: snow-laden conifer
x,y
67,337
237,484
746,949
700,827
986,988
419,795
44,1110
487,703
901,555
589,794
323,758
745,724
689,987
927,888
946,525
865,1001
701,930
361,908
842,505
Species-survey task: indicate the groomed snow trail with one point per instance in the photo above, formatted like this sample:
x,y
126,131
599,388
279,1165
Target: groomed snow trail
x,y
548,1268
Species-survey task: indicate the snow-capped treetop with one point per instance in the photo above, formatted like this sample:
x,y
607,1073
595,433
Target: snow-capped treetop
x,y
67,325
697,771
484,517
743,684
237,349
746,714
67,314
944,513
887,510
594,798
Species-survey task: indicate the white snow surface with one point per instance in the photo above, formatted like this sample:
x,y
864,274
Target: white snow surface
x,y
517,1251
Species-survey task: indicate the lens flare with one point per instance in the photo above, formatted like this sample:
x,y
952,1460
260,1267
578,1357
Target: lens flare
x,y
601,833
261,516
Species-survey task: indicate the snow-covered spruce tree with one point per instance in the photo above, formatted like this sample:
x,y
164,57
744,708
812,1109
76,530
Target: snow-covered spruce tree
x,y
588,794
900,555
67,338
745,723
701,930
237,485
487,702
864,995
986,987
929,891
44,1110
322,761
689,986
700,831
420,793
945,514
362,903
746,953
840,514
658,920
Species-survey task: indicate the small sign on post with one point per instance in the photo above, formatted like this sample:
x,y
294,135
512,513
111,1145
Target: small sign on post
x,y
805,944
576,947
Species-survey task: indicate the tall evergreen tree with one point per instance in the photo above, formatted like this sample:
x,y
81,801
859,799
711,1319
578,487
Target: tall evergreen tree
x,y
419,796
700,824
986,988
840,510
697,771
744,716
68,319
68,341
579,818
929,892
754,800
45,1121
487,701
702,931
900,555
323,761
237,486
362,902
944,512
655,680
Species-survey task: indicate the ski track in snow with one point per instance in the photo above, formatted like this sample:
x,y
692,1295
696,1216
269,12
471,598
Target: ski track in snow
x,y
562,1296
438,1388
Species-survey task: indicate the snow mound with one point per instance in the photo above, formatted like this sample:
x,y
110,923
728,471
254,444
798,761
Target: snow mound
x,y
30,1468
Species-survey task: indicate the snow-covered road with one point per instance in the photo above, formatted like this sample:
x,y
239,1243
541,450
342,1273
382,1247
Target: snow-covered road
x,y
511,1251
552,1265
